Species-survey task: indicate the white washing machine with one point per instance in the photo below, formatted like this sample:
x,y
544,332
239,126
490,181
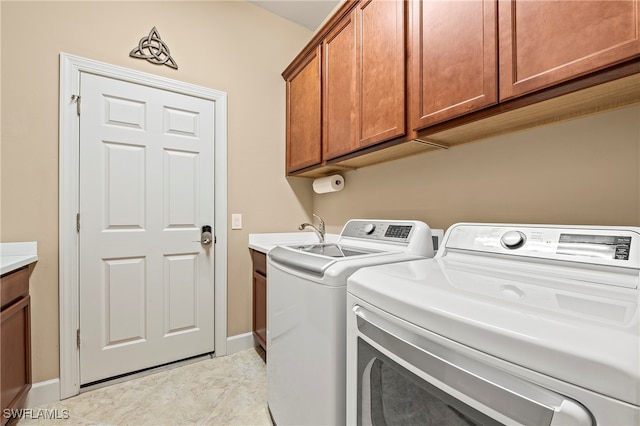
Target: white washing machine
x,y
306,305
508,324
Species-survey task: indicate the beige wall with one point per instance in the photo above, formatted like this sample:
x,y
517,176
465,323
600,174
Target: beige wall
x,y
581,171
584,171
233,46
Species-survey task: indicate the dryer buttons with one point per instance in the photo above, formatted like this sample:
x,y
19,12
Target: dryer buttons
x,y
513,239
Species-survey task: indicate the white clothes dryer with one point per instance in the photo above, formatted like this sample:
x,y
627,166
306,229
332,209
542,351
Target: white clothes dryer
x,y
508,324
306,305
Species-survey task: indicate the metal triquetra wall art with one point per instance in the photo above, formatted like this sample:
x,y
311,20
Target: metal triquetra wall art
x,y
154,50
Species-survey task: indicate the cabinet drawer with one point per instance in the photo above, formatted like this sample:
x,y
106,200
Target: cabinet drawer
x,y
259,262
13,286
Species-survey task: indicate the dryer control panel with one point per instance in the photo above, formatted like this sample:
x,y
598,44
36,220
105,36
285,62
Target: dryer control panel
x,y
606,245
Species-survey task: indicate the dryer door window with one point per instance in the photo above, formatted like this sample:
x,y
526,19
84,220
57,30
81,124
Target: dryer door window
x,y
389,394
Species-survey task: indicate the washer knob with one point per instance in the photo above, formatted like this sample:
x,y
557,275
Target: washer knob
x,y
369,228
513,239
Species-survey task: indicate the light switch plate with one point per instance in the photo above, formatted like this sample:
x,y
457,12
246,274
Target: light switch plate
x,y
236,221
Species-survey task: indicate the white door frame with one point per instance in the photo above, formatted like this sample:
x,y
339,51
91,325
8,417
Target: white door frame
x,y
69,183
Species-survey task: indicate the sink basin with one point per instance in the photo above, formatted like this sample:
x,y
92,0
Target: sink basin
x,y
332,250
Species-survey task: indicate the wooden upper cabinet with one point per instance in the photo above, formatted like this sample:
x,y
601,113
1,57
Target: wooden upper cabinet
x,y
347,93
545,42
363,76
304,137
453,60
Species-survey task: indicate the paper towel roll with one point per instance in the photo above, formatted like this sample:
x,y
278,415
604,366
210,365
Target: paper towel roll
x,y
333,183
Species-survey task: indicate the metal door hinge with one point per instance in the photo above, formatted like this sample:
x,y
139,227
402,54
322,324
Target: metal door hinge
x,y
215,240
78,337
76,99
78,222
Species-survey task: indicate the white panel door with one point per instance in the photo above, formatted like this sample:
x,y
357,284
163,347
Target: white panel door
x,y
146,190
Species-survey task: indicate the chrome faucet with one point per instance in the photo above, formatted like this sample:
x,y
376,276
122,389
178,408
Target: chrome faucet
x,y
319,230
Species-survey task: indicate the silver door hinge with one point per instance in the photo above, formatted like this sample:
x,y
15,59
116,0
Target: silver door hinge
x,y
76,99
78,337
215,240
78,222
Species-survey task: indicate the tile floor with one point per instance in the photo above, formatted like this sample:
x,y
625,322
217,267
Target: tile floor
x,y
228,390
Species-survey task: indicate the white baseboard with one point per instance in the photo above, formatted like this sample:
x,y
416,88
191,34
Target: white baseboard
x,y
43,393
240,342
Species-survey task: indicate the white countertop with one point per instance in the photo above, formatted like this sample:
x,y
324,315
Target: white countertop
x,y
265,242
16,255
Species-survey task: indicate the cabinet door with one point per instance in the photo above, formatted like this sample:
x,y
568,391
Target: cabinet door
x,y
453,59
260,308
303,114
364,83
545,42
340,91
15,354
381,55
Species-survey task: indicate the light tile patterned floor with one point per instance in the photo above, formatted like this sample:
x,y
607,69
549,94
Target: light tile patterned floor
x,y
229,390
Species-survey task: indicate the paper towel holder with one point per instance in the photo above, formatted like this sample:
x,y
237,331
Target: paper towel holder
x,y
327,184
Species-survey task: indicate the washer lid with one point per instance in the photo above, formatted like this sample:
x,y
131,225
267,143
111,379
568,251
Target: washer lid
x,y
332,250
299,260
315,259
579,332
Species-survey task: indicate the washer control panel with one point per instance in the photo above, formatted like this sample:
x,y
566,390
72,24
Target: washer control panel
x,y
391,231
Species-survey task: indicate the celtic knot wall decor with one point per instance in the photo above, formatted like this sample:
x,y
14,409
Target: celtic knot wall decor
x,y
154,50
